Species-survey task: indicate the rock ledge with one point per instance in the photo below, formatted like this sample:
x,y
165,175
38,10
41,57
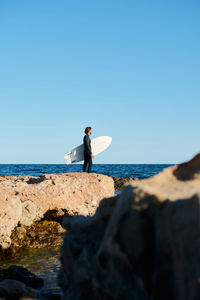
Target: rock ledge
x,y
27,200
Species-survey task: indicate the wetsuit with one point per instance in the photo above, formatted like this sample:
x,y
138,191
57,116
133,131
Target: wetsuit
x,y
87,154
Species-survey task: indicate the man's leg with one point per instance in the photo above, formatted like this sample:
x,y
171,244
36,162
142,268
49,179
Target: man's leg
x,y
90,165
85,165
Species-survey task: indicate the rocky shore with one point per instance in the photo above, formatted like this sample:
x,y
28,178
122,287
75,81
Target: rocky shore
x,y
31,214
142,244
32,208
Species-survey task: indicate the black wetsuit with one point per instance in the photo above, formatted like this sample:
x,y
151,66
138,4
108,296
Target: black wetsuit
x,y
87,154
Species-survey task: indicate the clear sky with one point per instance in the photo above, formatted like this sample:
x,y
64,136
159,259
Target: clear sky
x,y
130,69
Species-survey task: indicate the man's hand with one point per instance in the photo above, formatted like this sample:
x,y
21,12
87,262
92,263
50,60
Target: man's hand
x,y
92,155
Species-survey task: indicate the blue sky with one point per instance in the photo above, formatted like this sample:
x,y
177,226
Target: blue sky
x,y
130,69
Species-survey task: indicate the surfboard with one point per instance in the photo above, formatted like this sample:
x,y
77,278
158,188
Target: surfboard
x,y
98,145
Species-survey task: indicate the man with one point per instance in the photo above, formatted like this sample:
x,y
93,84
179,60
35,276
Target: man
x,y
87,150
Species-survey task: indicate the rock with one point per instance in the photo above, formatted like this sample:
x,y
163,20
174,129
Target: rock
x,y
23,275
26,200
142,244
10,214
2,277
20,233
50,296
15,290
8,253
55,215
39,235
28,298
31,212
121,182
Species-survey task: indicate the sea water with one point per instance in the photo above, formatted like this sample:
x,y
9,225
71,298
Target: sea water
x,y
121,170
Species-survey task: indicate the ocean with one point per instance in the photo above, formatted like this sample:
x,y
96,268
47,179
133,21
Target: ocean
x,y
140,171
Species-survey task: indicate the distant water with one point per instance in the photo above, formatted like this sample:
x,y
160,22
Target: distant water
x,y
121,170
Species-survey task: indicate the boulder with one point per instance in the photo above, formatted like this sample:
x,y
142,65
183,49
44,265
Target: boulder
x,y
23,275
142,244
15,290
25,200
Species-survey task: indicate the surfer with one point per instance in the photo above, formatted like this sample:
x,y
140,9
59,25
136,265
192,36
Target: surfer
x,y
87,150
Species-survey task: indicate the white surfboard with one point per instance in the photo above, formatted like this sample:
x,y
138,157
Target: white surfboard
x,y
98,145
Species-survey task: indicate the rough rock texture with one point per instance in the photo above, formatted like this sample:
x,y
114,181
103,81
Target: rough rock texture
x,y
15,290
17,283
24,200
21,274
39,235
121,182
10,214
142,244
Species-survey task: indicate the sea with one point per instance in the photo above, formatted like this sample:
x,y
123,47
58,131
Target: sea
x,y
140,171
46,262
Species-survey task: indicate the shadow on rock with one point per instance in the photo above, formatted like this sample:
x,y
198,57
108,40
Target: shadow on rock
x,y
142,244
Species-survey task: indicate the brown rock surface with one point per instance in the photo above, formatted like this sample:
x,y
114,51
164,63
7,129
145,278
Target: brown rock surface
x,y
24,200
39,235
142,244
121,182
10,214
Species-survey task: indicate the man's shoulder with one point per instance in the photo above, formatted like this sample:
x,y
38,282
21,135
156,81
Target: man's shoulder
x,y
85,137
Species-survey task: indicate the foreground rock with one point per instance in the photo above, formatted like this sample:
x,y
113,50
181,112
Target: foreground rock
x,y
17,282
143,244
26,200
21,274
14,289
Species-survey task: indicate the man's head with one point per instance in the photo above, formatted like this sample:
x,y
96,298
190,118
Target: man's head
x,y
88,130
